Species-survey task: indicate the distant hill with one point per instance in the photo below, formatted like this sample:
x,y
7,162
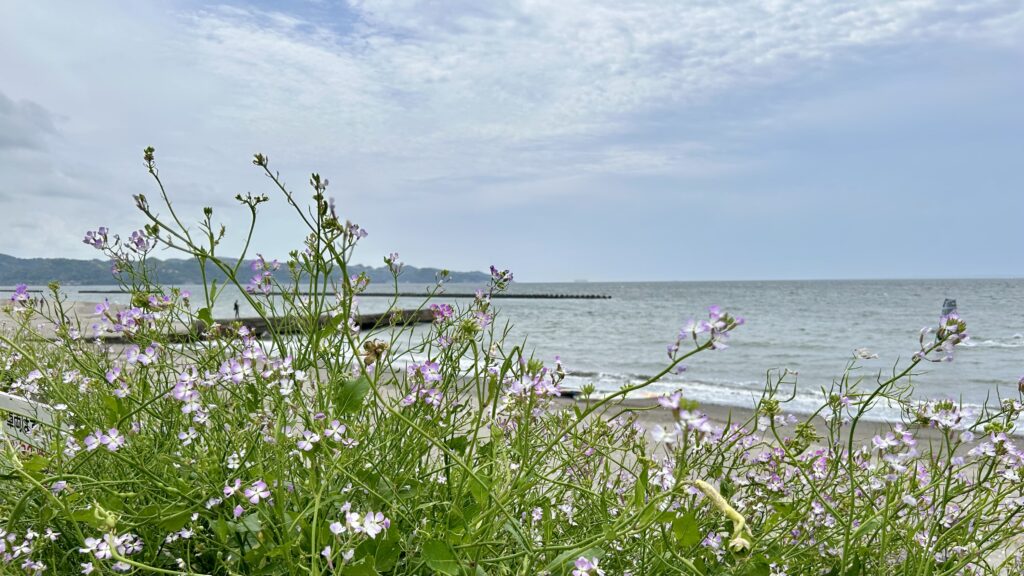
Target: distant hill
x,y
179,271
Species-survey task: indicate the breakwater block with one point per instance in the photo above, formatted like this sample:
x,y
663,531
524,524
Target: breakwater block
x,y
292,325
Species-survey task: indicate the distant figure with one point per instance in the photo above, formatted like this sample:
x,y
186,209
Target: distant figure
x,y
948,307
236,310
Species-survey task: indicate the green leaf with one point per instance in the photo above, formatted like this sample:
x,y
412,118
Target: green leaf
x,y
206,316
112,502
686,530
87,516
387,554
440,557
457,444
350,395
175,519
783,508
36,463
331,326
759,568
640,488
726,488
364,568
874,523
562,562
19,509
220,529
250,523
481,492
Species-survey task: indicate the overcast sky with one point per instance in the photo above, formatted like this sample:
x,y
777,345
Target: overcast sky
x,y
611,140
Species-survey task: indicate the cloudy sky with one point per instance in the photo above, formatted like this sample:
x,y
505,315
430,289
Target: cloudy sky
x,y
606,140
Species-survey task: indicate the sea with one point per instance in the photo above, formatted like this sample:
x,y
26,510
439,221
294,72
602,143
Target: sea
x,y
809,328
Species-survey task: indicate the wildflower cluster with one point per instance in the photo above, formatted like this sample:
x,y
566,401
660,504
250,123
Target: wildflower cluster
x,y
319,447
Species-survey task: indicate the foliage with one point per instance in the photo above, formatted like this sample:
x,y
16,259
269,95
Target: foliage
x,y
401,450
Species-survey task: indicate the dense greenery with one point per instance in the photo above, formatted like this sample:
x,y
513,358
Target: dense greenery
x,y
449,450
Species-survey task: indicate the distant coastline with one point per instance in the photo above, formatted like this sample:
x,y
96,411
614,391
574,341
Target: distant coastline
x,y
180,271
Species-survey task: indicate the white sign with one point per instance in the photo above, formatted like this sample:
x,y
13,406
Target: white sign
x,y
24,420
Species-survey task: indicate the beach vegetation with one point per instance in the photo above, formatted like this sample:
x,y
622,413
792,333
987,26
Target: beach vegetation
x,y
447,448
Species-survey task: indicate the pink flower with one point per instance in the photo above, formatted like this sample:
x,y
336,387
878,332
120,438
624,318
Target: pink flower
x,y
258,491
585,567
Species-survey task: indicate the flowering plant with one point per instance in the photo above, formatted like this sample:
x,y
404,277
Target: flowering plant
x,y
323,447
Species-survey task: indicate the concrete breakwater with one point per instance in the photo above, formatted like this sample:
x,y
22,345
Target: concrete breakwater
x,y
292,325
84,314
442,295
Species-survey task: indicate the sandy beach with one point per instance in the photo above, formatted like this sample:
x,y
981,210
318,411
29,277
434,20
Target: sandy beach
x,y
649,413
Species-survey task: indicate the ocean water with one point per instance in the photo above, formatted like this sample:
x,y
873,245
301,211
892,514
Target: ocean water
x,y
809,327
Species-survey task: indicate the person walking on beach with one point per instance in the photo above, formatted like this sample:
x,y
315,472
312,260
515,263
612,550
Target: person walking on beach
x,y
236,309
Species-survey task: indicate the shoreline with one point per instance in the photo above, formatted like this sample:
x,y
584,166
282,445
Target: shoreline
x,y
649,414
645,407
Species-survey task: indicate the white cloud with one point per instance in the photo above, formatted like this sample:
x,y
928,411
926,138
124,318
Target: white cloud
x,y
406,104
428,85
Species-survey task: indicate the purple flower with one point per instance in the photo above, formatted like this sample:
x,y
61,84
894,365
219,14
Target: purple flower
x,y
355,231
111,440
442,312
140,242
234,370
884,443
425,372
258,491
20,295
374,523
97,547
97,238
393,264
188,436
335,431
692,328
263,277
432,397
585,567
231,489
671,402
307,441
500,278
113,374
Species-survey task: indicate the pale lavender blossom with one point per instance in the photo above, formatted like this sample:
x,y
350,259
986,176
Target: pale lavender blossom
x,y
671,401
442,312
97,238
258,491
308,440
886,442
140,242
231,489
374,523
335,431
587,567
188,436
112,440
21,294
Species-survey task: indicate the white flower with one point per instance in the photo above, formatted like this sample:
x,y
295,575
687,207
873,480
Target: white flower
x,y
659,435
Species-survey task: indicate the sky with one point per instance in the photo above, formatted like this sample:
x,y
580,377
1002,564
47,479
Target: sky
x,y
564,140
